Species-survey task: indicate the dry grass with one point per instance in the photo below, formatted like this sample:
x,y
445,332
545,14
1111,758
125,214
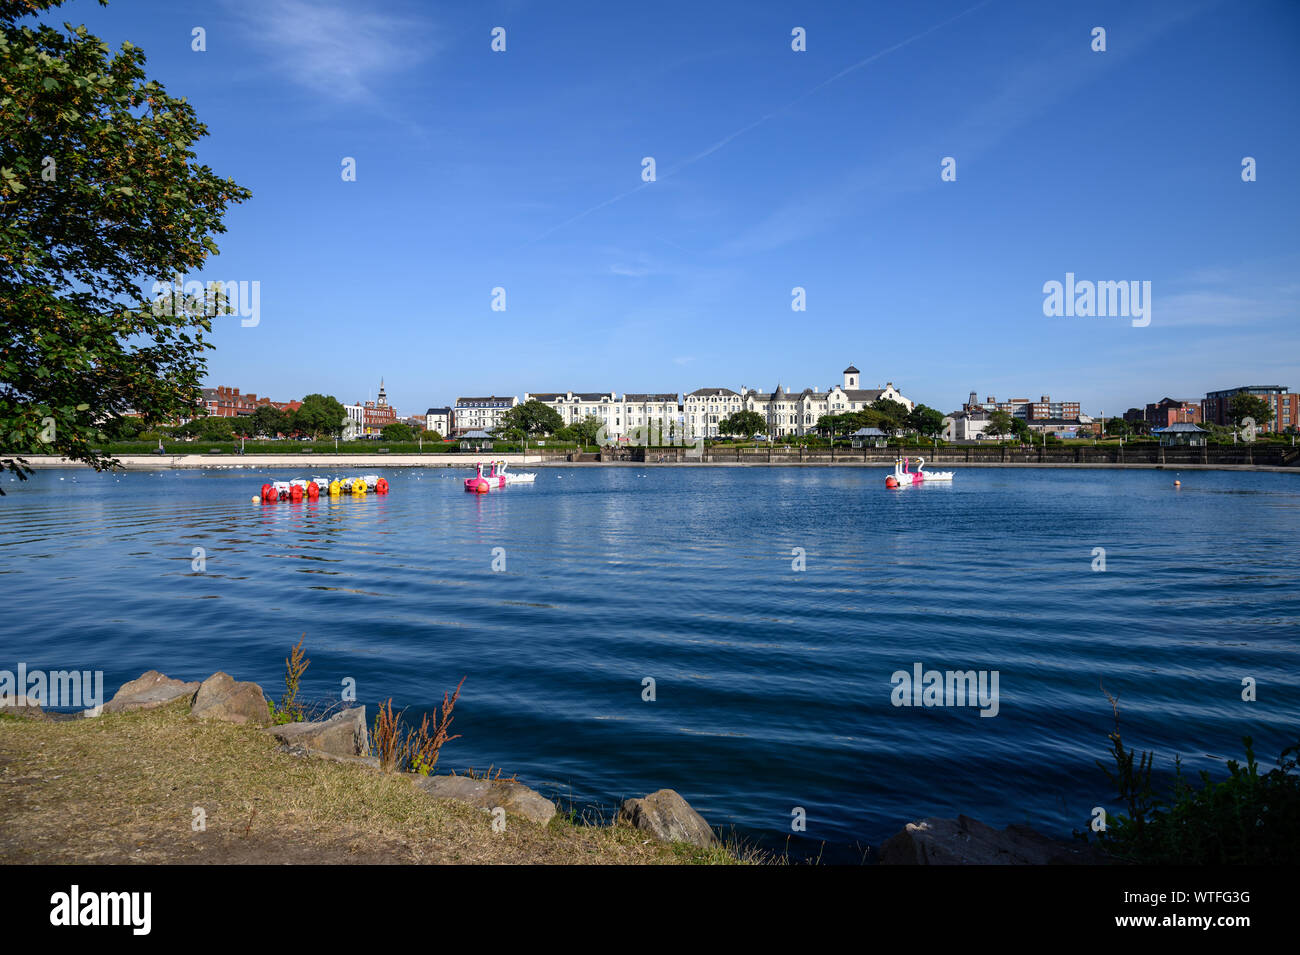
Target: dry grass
x,y
124,787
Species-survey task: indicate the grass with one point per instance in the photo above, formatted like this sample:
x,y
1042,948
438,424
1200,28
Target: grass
x,y
125,787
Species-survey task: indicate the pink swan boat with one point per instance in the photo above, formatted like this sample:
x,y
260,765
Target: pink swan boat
x,y
478,484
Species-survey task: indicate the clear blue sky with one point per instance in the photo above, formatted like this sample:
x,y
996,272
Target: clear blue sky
x,y
776,169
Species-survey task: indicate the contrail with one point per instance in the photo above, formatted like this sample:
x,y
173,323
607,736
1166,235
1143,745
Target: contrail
x,y
762,119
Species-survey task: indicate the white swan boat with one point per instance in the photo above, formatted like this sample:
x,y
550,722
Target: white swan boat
x,y
525,477
928,476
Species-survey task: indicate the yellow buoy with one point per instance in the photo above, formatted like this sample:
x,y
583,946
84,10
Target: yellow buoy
x,y
1178,484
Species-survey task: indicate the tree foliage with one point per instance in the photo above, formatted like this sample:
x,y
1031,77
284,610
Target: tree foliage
x,y
532,418
319,415
1244,405
925,421
743,424
268,421
999,424
891,415
587,431
99,190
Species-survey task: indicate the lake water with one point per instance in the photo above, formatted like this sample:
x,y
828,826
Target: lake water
x,y
772,686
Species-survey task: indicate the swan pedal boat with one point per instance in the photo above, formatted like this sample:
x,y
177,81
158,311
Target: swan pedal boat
x,y
525,477
902,477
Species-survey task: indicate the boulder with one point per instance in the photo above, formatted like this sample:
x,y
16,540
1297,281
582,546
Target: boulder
x,y
343,734
148,691
302,752
510,795
667,816
22,706
221,697
967,841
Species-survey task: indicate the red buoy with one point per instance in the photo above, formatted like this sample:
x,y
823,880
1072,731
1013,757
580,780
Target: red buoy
x,y
381,486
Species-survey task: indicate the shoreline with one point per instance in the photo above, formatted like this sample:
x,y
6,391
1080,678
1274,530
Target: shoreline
x,y
314,462
350,807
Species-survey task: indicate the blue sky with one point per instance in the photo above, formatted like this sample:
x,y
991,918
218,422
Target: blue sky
x,y
775,169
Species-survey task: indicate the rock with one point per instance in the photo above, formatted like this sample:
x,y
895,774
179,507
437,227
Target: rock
x,y
220,697
667,816
302,751
148,691
343,734
967,841
24,707
512,796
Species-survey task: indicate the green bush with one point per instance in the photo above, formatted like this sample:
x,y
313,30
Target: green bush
x,y
1246,819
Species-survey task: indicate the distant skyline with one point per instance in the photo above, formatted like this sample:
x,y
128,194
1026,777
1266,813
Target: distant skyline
x,y
775,169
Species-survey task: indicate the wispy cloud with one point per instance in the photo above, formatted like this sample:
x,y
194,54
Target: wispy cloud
x,y
1253,294
726,140
631,271
1028,91
339,49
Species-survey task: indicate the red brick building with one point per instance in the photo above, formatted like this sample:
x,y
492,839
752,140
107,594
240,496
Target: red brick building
x,y
371,417
226,402
1216,407
1169,411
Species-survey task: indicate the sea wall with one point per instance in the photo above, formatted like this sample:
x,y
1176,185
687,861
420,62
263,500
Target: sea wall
x,y
1271,457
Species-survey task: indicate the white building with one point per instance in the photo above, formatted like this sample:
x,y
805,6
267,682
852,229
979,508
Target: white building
x,y
617,415
969,425
480,414
355,425
574,406
662,412
788,413
439,420
703,408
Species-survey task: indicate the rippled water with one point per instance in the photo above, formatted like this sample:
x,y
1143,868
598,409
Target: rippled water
x,y
772,686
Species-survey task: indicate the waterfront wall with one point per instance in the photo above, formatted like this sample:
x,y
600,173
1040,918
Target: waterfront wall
x,y
1140,455
1273,456
305,463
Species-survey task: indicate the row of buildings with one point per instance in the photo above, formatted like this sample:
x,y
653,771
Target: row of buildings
x,y
226,402
1216,408
1066,419
698,413
787,413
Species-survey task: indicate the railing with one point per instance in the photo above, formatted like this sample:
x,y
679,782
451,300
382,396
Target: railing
x,y
1273,455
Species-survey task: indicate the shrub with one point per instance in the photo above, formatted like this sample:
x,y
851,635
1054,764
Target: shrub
x,y
403,749
290,710
1246,819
